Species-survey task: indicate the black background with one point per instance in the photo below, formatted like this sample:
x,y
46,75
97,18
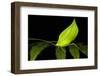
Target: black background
x,y
49,27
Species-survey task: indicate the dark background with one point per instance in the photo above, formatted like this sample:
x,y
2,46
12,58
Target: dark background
x,y
49,27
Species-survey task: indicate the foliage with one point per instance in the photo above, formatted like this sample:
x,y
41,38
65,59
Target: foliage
x,y
66,37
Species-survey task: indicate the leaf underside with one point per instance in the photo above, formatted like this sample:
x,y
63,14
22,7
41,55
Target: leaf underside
x,y
36,49
74,51
83,48
60,53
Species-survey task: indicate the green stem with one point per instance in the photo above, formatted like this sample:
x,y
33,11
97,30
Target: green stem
x,y
49,42
75,45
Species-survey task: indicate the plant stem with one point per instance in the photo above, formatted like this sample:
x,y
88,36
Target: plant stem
x,y
75,45
50,42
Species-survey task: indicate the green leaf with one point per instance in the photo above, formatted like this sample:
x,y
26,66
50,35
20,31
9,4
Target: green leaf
x,y
36,49
83,48
60,53
68,35
74,50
